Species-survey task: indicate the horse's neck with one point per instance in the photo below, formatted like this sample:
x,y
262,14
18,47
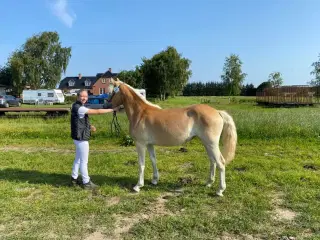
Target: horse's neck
x,y
132,104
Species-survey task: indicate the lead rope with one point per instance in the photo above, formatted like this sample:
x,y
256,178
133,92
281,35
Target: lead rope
x,y
115,126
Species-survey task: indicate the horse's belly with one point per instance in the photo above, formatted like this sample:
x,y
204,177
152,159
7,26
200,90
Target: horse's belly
x,y
165,138
170,133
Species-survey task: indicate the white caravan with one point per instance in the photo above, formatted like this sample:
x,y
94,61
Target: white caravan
x,y
42,96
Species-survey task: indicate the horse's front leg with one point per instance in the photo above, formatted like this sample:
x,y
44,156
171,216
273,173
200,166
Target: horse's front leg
x,y
141,157
153,158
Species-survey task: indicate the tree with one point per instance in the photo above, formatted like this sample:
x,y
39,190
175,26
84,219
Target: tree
x,y
6,76
18,75
40,61
132,77
275,79
248,90
232,75
263,85
166,73
316,81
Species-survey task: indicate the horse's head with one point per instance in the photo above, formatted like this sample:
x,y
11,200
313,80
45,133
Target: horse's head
x,y
116,97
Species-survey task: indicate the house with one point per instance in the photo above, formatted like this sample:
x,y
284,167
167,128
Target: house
x,y
95,85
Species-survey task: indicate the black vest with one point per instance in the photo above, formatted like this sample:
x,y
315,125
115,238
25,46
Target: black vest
x,y
80,127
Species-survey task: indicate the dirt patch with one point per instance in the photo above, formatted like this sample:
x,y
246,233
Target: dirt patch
x,y
281,214
51,235
36,194
186,180
187,165
124,223
112,201
96,236
2,227
284,214
228,236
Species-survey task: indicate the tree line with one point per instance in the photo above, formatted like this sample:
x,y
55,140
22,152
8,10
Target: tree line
x,y
41,60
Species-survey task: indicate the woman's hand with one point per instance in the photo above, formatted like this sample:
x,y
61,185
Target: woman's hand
x,y
93,128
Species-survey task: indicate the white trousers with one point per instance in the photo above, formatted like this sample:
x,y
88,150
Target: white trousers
x,y
81,161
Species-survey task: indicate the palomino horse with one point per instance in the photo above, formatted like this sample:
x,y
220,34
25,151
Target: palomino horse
x,y
150,125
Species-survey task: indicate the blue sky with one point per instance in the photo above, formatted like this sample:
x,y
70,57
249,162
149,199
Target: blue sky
x,y
273,35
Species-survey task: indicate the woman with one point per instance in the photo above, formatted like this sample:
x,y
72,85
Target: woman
x,y
80,133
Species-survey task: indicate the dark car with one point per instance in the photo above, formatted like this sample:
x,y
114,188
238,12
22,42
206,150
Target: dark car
x,y
9,101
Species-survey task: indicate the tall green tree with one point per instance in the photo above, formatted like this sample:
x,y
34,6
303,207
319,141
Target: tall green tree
x,y
132,77
40,61
275,78
233,76
18,75
166,73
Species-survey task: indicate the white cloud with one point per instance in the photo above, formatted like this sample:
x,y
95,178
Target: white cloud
x,y
60,9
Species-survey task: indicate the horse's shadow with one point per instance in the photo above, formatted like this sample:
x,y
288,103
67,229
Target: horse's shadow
x,y
63,180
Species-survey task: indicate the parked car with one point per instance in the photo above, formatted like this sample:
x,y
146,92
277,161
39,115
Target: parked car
x,y
97,102
9,101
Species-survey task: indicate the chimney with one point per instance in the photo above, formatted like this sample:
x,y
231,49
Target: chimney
x,y
110,70
80,76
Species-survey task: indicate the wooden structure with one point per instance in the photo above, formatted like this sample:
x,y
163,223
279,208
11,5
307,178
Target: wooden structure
x,y
49,111
286,95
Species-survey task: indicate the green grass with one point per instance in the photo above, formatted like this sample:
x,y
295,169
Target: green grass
x,y
276,169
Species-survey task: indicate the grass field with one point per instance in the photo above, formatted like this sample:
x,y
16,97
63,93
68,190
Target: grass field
x,y
272,184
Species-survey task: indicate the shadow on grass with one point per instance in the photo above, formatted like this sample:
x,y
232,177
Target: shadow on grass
x,y
63,180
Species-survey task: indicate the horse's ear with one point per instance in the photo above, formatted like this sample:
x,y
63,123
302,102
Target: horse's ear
x,y
117,82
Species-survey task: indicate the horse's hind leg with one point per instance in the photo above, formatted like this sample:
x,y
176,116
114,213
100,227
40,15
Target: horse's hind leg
x,y
216,159
141,149
212,172
153,158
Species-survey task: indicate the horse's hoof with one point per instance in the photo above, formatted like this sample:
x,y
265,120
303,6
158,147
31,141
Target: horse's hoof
x,y
219,193
154,182
136,189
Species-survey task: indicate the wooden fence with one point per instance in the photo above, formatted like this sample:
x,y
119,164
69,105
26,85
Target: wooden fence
x,y
287,95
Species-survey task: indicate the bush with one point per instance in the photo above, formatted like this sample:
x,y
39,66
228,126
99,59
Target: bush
x,y
70,99
127,141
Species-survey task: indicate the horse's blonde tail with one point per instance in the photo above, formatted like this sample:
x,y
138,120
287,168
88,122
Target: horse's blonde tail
x,y
229,137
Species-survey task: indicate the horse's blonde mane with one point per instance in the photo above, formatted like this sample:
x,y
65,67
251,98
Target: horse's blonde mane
x,y
141,97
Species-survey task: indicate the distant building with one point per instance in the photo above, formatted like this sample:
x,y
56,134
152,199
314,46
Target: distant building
x,y
95,85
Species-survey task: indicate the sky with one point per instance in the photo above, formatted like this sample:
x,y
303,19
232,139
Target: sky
x,y
268,35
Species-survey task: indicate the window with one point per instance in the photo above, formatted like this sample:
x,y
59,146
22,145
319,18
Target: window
x,y
101,90
87,83
50,94
71,83
103,80
39,94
